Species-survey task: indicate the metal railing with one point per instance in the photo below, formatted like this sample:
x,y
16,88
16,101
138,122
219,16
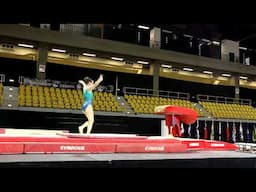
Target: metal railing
x,y
102,88
72,28
221,99
47,82
61,84
152,92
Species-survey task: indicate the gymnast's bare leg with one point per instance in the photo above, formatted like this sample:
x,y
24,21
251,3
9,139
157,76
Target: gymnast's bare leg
x,y
81,127
90,116
89,124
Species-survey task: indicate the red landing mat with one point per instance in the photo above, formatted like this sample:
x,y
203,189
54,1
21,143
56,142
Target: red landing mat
x,y
200,144
104,143
11,148
69,148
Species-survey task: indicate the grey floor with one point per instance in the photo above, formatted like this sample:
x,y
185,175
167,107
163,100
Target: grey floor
x,y
122,156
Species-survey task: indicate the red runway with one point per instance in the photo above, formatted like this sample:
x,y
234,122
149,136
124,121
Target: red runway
x,y
63,142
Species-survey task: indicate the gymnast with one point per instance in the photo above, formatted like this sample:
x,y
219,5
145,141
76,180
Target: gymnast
x,y
87,108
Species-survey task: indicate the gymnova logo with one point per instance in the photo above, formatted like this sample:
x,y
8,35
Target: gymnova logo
x,y
154,148
72,147
194,144
217,145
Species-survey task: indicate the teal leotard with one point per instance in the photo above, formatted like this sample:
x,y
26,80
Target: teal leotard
x,y
88,97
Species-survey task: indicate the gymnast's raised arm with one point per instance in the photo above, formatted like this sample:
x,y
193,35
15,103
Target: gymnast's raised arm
x,y
84,85
94,85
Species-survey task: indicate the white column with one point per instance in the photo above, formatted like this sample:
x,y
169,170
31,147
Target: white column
x,y
229,47
155,38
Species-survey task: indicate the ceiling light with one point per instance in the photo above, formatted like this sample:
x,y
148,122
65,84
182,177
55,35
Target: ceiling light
x,y
166,31
187,69
9,105
207,72
143,62
243,77
11,80
243,48
215,42
206,40
10,89
59,50
25,45
166,66
10,95
143,27
225,75
89,54
117,58
189,36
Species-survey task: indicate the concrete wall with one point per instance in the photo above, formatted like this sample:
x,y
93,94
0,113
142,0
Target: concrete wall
x,y
227,47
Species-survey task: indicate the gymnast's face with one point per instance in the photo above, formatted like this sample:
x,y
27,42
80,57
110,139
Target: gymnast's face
x,y
90,82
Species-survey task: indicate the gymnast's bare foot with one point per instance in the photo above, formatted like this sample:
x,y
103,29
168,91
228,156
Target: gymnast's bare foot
x,y
171,136
80,129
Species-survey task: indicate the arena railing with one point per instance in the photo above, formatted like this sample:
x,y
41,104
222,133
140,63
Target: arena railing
x,y
221,99
60,84
152,92
72,28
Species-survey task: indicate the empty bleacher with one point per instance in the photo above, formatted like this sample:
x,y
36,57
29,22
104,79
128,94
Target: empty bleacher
x,y
232,111
145,102
142,101
105,101
228,108
49,97
63,98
